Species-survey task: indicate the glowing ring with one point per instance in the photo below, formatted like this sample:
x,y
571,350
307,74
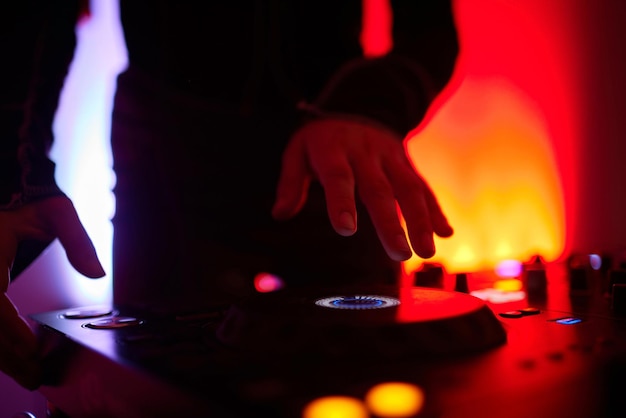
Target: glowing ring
x,y
357,302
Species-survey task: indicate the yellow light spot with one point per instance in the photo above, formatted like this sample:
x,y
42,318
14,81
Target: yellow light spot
x,y
395,400
508,285
335,407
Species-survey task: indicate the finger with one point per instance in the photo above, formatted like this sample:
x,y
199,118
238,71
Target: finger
x,y
410,191
418,223
336,177
8,246
410,184
440,223
378,197
79,248
18,347
293,183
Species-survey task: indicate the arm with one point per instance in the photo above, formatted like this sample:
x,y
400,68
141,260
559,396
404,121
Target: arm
x,y
39,38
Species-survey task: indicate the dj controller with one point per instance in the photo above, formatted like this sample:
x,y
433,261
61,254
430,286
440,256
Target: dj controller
x,y
453,345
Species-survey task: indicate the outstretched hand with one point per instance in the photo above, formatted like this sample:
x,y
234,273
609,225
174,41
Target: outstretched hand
x,y
44,220
346,155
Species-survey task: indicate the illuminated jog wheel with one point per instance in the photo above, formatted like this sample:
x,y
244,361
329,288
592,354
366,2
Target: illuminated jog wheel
x,y
371,321
357,302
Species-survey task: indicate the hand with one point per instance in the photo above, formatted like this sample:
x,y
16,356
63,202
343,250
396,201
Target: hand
x,y
345,155
43,220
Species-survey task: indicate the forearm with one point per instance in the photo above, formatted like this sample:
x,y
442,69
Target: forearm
x,y
395,90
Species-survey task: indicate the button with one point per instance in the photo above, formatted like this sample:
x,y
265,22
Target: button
x,y
86,313
618,299
569,320
511,314
430,275
536,280
616,277
460,284
115,322
530,311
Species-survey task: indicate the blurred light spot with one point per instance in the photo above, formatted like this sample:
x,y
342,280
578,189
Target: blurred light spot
x,y
508,285
335,407
266,282
568,321
376,36
395,399
509,268
498,296
595,261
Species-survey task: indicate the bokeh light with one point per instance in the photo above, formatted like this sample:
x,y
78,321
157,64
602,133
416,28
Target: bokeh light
x,y
395,400
335,407
266,282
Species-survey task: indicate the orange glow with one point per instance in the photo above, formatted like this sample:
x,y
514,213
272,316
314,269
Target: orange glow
x,y
498,146
395,400
335,407
488,155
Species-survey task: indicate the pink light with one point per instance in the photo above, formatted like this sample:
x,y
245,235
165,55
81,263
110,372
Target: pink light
x,y
266,282
509,268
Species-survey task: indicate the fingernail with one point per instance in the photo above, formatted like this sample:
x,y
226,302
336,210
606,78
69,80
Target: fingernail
x,y
95,270
100,270
346,221
403,246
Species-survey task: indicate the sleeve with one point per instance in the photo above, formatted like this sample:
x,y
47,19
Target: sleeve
x,y
396,89
37,37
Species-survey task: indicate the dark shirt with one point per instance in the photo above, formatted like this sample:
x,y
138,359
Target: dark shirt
x,y
211,95
257,56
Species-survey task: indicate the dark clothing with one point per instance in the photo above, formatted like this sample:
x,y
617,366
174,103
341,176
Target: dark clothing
x,y
37,42
211,96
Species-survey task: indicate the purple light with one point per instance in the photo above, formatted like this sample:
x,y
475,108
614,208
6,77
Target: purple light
x,y
81,150
509,268
595,261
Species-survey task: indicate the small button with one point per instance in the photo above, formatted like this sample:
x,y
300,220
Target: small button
x,y
511,314
529,311
431,275
115,322
567,320
86,313
460,284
